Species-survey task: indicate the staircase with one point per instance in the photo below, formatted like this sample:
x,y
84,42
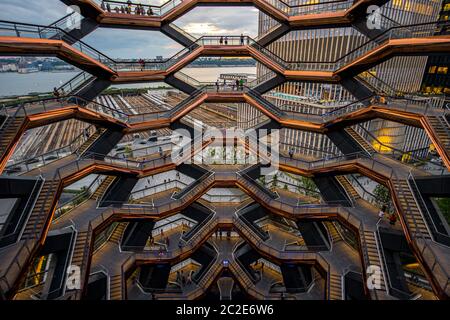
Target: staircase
x,y
411,212
334,234
360,140
351,191
115,290
41,210
116,236
335,286
255,188
9,131
373,255
98,194
85,146
266,104
78,251
184,104
439,125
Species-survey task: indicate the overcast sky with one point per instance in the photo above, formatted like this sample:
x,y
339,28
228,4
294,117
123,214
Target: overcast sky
x,y
139,44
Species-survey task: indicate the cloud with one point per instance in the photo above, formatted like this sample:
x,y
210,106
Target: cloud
x,y
36,12
123,43
226,20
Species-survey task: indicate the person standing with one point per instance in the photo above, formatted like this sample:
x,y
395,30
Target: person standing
x,y
56,94
242,39
392,219
381,213
291,152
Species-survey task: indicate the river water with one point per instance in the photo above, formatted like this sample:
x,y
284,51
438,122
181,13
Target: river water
x,y
12,84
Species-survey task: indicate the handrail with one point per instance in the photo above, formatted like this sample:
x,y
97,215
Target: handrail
x,y
298,186
129,7
371,195
70,148
258,233
74,202
199,227
248,179
48,32
74,83
183,32
283,7
395,151
424,243
28,208
394,32
385,270
310,7
208,40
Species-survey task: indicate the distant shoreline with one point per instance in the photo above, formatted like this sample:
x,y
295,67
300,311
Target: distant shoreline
x,y
187,67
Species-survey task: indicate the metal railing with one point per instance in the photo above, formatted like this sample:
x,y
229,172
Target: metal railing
x,y
428,218
423,247
394,32
136,8
305,7
79,199
436,168
26,211
26,165
389,286
73,85
47,32
179,195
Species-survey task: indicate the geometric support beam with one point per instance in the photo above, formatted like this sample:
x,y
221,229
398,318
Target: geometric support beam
x,y
177,34
357,89
87,26
92,88
331,190
346,143
105,142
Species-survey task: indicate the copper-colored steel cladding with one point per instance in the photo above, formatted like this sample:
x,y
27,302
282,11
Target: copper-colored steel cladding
x,y
384,51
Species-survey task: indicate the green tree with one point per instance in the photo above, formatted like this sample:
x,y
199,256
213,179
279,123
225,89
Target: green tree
x,y
275,181
382,195
309,185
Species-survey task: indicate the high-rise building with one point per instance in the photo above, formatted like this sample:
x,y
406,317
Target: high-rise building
x,y
402,74
102,197
436,79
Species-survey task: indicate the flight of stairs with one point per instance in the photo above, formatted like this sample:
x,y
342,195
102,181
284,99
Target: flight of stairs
x,y
115,290
261,192
98,194
334,234
360,140
335,286
373,254
90,141
116,236
78,251
351,191
37,220
9,131
441,129
414,219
